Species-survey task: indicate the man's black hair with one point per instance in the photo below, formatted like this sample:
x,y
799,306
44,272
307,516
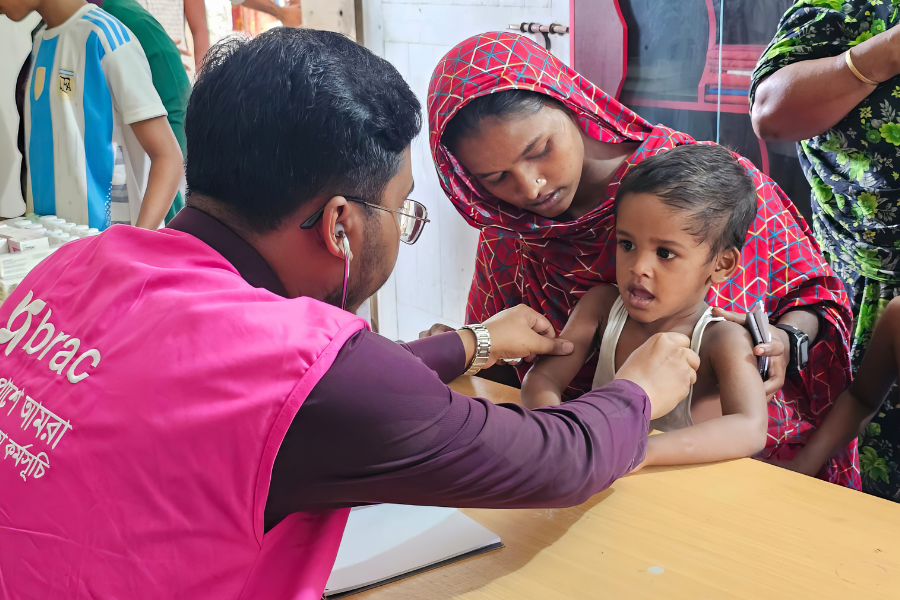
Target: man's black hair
x,y
508,103
291,115
707,182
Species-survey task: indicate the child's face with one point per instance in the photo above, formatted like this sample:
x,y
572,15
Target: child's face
x,y
662,271
17,10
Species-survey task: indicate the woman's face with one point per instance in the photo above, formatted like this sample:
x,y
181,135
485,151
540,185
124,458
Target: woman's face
x,y
532,161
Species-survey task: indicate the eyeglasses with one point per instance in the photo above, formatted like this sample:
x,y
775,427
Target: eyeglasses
x,y
411,218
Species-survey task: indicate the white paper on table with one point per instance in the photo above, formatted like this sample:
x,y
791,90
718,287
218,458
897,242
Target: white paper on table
x,y
387,541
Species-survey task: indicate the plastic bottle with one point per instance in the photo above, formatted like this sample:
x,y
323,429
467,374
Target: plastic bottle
x,y
79,230
66,227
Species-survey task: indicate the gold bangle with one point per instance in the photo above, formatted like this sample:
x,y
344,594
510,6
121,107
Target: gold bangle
x,y
859,75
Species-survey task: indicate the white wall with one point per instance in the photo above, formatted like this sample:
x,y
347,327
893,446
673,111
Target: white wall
x,y
431,281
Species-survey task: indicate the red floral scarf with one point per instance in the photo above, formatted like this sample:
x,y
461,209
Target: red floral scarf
x,y
525,258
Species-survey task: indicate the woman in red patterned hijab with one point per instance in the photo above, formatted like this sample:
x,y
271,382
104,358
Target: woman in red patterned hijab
x,y
541,190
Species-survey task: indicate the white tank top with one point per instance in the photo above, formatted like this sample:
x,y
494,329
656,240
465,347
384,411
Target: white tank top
x,y
680,417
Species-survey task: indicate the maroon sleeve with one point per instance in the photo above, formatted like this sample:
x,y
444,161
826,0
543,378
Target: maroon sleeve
x,y
381,426
443,353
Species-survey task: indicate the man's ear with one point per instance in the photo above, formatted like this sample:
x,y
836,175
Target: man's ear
x,y
334,213
726,264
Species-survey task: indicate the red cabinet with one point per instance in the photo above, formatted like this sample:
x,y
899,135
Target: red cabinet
x,y
687,64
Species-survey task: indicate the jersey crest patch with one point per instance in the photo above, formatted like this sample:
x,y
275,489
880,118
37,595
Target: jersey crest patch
x,y
66,82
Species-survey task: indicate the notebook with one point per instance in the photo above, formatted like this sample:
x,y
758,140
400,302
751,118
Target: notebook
x,y
386,542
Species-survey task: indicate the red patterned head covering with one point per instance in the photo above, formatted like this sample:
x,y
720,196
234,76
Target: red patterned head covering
x,y
549,265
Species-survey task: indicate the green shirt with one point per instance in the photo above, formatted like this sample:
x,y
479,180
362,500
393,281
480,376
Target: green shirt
x,y
169,78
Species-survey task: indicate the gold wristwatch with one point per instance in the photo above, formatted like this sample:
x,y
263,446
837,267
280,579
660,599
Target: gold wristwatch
x,y
482,347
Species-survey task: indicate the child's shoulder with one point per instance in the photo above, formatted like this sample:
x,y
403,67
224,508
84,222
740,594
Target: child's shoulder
x,y
724,338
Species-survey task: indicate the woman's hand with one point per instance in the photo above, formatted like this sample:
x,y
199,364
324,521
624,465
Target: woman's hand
x,y
775,350
435,330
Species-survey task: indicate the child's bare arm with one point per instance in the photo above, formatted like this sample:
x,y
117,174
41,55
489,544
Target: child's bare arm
x,y
856,406
166,168
741,430
551,375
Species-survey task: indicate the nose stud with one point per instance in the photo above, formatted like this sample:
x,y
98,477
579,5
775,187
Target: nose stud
x,y
540,181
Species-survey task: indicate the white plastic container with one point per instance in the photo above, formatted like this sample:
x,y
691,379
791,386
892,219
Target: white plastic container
x,y
46,219
36,228
92,231
66,227
59,239
79,231
22,224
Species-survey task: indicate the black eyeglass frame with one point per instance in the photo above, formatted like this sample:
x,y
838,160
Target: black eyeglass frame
x,y
314,218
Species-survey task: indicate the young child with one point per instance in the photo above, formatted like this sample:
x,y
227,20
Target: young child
x,y
90,104
681,220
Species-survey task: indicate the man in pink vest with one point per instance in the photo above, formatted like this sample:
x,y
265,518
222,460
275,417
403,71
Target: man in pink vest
x,y
189,413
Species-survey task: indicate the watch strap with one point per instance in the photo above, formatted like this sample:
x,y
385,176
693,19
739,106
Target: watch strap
x,y
799,347
482,347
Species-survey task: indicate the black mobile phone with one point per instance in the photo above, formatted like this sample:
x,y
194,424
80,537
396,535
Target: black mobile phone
x,y
758,322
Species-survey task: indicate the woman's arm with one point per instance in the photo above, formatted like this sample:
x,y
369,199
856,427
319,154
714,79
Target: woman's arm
x,y
548,378
807,98
741,430
856,406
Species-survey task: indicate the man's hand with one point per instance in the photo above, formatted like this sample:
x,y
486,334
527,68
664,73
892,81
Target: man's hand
x,y
665,367
778,359
518,332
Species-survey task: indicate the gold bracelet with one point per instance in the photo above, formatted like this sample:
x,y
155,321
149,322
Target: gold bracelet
x,y
859,75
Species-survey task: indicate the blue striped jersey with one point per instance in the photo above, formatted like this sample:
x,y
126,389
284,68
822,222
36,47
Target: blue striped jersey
x,y
89,82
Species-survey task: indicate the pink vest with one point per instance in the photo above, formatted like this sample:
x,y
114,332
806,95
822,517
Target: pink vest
x,y
145,389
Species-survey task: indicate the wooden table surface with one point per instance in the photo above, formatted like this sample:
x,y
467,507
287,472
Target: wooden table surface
x,y
739,529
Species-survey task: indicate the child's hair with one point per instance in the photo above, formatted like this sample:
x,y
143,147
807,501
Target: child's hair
x,y
707,182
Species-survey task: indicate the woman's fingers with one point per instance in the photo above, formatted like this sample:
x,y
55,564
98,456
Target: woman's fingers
x,y
434,330
778,361
734,317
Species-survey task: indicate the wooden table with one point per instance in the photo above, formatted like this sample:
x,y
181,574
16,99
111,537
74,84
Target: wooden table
x,y
739,529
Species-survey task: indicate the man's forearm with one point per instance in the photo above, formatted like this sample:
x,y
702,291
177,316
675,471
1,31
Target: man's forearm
x,y
446,354
399,435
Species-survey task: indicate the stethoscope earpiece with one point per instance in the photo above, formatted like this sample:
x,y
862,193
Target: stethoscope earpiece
x,y
345,242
